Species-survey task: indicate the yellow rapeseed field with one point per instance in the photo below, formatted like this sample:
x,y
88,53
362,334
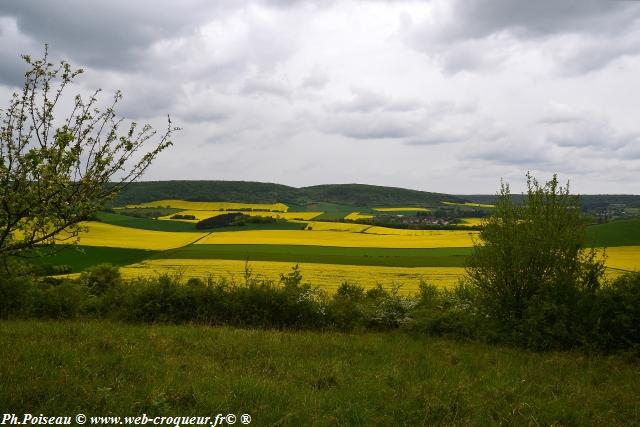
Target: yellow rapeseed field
x,y
199,214
305,216
101,234
421,238
402,209
448,238
327,276
354,216
210,206
623,258
473,205
204,214
472,221
336,226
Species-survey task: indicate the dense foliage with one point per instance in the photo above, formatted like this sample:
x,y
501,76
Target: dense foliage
x,y
531,272
233,219
609,323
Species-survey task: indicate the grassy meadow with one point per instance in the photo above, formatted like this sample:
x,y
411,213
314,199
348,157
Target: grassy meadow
x,y
305,378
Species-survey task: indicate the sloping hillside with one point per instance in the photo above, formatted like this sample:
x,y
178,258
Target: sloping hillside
x,y
259,192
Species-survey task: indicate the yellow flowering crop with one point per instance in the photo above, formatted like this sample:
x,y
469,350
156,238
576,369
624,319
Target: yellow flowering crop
x,y
101,234
305,216
327,276
473,205
336,226
402,209
445,238
623,258
472,221
423,238
354,216
199,214
210,206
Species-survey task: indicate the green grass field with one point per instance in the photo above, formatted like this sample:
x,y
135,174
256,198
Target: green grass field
x,y
304,378
438,257
616,233
147,211
79,257
145,223
280,225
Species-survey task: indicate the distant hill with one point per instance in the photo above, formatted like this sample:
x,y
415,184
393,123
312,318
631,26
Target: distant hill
x,y
260,192
344,194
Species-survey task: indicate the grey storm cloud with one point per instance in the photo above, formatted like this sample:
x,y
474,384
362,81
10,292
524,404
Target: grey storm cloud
x,y
370,115
113,34
510,152
266,86
568,127
481,34
481,18
303,92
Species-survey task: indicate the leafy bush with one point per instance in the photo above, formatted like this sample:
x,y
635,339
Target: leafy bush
x,y
443,312
179,216
349,307
51,270
618,325
100,278
14,292
64,300
531,271
390,309
603,319
218,221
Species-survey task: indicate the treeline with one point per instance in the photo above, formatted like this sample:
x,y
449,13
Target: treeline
x,y
349,194
233,219
587,201
605,320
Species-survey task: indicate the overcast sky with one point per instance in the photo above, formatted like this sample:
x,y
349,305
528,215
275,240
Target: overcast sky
x,y
440,95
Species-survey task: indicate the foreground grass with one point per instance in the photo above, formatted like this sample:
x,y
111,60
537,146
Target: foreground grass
x,y
304,378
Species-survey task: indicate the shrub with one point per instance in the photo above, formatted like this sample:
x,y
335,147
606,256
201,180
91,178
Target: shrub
x,y
618,324
530,270
349,308
14,292
100,278
443,312
292,279
390,309
62,300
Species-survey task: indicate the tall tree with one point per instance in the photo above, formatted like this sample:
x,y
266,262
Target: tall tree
x,y
56,171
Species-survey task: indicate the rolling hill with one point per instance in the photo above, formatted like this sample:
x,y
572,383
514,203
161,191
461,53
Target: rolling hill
x,y
339,194
260,192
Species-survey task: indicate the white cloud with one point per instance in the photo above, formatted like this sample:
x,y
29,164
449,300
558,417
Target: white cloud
x,y
439,95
